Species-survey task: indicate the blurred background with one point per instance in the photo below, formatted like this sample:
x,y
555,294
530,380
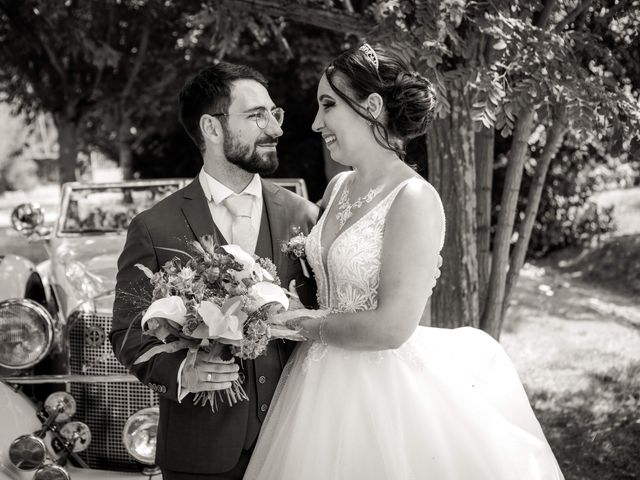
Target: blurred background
x,y
535,152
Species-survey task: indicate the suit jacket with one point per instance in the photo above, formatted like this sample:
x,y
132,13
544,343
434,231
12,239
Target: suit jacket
x,y
192,438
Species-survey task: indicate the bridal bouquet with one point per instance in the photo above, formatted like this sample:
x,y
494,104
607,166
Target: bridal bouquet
x,y
221,300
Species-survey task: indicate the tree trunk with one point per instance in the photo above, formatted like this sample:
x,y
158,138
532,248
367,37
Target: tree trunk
x,y
484,183
491,321
450,149
68,143
125,155
555,135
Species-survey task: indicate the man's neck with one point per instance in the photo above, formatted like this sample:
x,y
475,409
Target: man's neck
x,y
228,174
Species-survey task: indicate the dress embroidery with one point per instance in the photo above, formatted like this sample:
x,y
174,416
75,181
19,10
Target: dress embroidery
x,y
353,261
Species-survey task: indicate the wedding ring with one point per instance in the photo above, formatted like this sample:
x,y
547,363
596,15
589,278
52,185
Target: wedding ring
x,y
209,377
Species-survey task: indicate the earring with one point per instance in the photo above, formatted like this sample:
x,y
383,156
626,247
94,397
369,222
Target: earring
x,y
369,123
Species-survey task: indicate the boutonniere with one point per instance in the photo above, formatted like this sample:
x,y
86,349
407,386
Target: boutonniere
x,y
295,247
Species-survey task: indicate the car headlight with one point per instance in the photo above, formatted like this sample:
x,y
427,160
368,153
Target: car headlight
x,y
62,405
27,452
51,472
78,435
26,333
139,435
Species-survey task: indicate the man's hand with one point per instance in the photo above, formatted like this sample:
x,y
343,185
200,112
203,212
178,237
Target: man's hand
x,y
209,373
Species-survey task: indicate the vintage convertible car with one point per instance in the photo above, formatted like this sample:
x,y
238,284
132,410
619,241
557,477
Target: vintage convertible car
x,y
68,408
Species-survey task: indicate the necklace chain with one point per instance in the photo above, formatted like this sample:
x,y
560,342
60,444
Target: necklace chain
x,y
345,208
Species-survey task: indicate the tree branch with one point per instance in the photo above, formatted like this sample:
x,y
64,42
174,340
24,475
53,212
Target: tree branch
x,y
142,52
571,16
326,18
545,14
25,25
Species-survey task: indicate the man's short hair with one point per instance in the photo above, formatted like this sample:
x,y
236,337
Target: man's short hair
x,y
209,91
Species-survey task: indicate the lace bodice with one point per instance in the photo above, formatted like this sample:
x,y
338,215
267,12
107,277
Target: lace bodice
x,y
349,280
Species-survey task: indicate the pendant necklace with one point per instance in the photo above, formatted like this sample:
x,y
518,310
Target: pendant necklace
x,y
345,208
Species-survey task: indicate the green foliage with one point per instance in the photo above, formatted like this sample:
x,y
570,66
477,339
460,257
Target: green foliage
x,y
106,68
507,60
567,215
21,173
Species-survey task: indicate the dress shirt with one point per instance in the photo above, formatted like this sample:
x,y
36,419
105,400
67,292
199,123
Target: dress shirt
x,y
216,193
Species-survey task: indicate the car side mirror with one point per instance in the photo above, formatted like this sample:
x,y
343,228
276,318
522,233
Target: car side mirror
x,y
28,218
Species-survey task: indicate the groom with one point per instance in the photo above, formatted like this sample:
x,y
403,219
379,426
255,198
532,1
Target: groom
x,y
229,114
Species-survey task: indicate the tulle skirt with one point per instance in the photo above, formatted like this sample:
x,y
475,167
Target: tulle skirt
x,y
447,405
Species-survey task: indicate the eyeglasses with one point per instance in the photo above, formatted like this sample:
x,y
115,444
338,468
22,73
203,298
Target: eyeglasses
x,y
260,115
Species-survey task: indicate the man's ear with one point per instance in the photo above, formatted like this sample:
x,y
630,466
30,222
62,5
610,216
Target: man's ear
x,y
211,128
374,105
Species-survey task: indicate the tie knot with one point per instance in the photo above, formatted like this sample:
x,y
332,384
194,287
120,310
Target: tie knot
x,y
239,205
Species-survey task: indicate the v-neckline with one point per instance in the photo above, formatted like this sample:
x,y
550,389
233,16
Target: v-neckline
x,y
324,260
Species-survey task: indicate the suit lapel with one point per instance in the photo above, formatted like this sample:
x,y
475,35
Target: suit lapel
x,y
278,224
195,208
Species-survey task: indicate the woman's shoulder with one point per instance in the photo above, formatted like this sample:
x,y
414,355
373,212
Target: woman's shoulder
x,y
414,186
416,195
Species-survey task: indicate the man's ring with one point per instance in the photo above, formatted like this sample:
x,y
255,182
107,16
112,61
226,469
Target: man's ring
x,y
209,377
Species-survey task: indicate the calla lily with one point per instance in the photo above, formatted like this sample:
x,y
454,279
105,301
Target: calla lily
x,y
240,255
243,258
266,275
222,324
266,292
172,308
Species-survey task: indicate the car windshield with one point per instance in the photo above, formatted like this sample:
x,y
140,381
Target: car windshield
x,y
100,209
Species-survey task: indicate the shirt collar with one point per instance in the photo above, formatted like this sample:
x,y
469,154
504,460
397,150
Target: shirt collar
x,y
218,192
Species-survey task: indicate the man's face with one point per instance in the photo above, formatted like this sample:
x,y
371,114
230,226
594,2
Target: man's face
x,y
245,144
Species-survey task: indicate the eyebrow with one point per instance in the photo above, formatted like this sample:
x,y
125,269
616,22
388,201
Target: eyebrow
x,y
325,96
257,109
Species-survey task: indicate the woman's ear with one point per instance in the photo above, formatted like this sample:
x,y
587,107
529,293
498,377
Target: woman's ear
x,y
211,128
374,105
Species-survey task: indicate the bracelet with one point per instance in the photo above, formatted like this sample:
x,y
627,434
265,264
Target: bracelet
x,y
323,321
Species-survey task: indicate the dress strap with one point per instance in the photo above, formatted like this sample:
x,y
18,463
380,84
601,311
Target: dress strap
x,y
394,193
340,178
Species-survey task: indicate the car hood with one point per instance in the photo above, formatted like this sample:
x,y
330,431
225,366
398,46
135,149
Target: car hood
x,y
84,269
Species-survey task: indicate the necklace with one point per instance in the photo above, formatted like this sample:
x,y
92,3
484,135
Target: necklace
x,y
345,208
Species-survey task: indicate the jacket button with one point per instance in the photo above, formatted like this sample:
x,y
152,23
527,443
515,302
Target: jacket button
x,y
262,379
263,407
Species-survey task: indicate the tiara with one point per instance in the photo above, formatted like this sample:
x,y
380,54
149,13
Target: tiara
x,y
370,53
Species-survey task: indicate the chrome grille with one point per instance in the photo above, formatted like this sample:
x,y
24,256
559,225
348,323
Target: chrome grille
x,y
104,407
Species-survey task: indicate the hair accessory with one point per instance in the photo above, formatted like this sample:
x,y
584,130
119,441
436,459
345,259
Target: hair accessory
x,y
370,53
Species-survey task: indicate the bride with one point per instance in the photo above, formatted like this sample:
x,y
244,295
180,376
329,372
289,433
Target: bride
x,y
371,395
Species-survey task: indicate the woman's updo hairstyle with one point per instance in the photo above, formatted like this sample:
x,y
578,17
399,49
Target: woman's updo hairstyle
x,y
409,98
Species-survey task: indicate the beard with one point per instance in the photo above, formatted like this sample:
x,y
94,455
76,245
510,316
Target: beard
x,y
247,157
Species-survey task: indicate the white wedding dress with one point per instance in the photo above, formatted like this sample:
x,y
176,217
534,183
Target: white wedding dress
x,y
446,405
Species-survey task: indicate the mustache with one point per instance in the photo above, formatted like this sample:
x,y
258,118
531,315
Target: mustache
x,y
267,139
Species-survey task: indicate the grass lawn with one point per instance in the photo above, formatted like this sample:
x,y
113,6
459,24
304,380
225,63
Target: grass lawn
x,y
573,332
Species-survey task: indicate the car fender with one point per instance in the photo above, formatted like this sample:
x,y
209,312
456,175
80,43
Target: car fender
x,y
15,272
17,417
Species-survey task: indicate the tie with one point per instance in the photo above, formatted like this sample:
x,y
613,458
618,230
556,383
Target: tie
x,y
242,231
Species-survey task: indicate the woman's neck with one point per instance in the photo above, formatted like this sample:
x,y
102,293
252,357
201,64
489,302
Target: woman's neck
x,y
376,169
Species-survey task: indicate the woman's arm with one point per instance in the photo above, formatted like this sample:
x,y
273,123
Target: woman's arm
x,y
409,268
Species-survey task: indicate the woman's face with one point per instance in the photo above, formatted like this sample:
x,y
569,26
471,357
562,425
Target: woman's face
x,y
342,129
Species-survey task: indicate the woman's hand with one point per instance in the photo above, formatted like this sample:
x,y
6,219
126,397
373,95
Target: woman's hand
x,y
294,319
